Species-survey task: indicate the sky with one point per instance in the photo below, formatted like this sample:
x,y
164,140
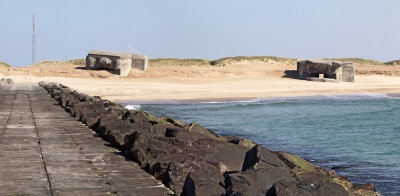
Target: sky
x,y
208,29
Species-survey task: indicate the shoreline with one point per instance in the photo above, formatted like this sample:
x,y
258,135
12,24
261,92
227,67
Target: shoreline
x,y
318,97
222,87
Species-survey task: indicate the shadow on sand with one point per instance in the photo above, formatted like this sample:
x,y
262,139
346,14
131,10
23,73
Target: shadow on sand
x,y
91,69
291,74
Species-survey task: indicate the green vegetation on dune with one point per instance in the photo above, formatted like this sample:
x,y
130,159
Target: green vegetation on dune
x,y
358,61
217,62
47,62
395,62
80,62
4,64
238,59
179,62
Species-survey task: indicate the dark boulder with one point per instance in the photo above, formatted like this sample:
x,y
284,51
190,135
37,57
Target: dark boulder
x,y
240,141
55,93
172,156
258,157
195,177
113,129
295,163
82,110
309,183
91,119
174,121
256,181
284,188
142,147
118,111
206,161
214,151
200,184
106,123
196,128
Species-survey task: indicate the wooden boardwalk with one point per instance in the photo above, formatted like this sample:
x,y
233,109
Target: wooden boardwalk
x,y
45,151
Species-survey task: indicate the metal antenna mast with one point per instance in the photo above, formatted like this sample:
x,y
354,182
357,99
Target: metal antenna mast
x,y
33,39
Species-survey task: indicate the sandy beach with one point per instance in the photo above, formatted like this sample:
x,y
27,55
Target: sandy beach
x,y
237,81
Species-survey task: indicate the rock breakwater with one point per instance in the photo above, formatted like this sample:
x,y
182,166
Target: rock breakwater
x,y
192,160
5,81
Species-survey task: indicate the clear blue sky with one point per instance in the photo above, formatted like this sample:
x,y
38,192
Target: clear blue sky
x,y
207,29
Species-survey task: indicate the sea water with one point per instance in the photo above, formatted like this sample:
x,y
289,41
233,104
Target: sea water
x,y
358,133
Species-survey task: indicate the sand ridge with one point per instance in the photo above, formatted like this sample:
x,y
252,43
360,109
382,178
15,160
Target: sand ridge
x,y
239,80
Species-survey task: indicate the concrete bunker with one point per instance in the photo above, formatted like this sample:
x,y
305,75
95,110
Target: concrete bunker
x,y
118,62
325,70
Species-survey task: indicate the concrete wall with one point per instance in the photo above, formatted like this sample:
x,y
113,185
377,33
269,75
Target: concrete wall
x,y
115,64
139,62
340,71
124,66
348,73
119,63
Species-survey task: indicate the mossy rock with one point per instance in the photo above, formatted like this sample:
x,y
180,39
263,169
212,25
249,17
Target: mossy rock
x,y
153,118
247,143
174,121
195,127
341,180
295,163
239,141
364,193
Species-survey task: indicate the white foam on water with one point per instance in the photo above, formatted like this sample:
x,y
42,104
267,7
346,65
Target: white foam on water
x,y
326,97
322,97
135,105
132,107
214,102
235,101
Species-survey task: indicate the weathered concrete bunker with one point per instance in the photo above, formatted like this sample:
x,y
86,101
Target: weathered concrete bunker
x,y
118,62
325,70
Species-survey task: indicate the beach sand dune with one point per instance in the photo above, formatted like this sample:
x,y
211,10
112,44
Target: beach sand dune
x,y
242,80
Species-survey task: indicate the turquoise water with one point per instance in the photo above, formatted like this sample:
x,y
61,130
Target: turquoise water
x,y
360,133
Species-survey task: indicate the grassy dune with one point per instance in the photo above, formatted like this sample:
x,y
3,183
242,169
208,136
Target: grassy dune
x,y
358,61
47,63
4,65
81,62
218,62
178,62
238,59
395,62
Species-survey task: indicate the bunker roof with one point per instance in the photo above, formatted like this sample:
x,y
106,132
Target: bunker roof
x,y
323,62
108,53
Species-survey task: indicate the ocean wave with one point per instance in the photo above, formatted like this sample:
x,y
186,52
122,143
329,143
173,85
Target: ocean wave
x,y
132,107
293,100
322,97
326,97
289,101
234,101
271,100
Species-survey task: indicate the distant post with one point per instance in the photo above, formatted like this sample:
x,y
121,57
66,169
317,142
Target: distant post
x,y
33,39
